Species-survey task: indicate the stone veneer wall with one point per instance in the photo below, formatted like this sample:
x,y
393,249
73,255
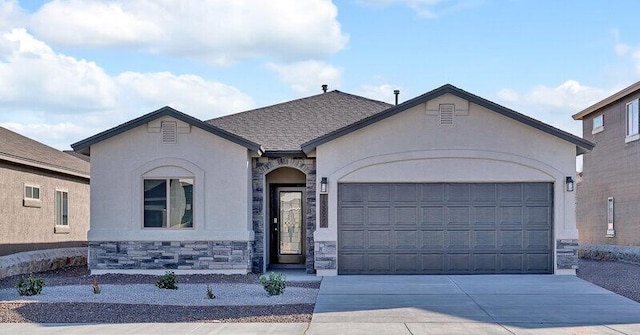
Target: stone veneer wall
x,y
567,254
262,166
178,255
326,255
41,260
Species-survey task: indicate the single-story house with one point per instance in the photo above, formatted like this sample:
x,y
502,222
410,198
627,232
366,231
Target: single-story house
x,y
44,196
444,183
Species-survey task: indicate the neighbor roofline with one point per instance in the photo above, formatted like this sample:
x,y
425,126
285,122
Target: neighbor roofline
x,y
43,166
84,146
581,144
607,101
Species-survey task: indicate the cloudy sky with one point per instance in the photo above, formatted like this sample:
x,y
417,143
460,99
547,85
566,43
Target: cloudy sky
x,y
69,69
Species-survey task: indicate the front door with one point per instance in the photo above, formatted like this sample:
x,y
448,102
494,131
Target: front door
x,y
287,225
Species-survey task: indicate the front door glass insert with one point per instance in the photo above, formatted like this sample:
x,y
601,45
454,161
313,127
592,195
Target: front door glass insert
x,y
290,223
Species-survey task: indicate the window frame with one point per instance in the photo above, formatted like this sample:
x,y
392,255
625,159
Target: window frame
x,y
27,199
629,131
596,129
167,181
61,210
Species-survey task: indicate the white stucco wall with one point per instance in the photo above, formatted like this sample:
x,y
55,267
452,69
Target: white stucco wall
x,y
482,146
222,185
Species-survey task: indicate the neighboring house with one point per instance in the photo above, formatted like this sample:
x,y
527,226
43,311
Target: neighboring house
x,y
608,210
44,196
447,182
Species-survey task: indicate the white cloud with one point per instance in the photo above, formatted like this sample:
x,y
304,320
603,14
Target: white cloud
x,y
382,92
426,8
555,105
220,32
307,77
58,100
32,74
626,51
11,15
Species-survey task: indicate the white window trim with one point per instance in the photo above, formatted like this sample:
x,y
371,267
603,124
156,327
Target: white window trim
x,y
634,136
599,129
61,228
29,201
193,204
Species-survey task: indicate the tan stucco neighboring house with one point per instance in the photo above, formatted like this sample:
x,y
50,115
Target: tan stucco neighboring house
x,y
446,183
44,196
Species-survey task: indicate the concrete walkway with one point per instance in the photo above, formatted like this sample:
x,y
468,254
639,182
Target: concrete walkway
x,y
412,305
492,304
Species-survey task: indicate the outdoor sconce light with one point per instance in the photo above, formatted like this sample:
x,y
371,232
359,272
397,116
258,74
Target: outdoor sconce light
x,y
323,185
569,184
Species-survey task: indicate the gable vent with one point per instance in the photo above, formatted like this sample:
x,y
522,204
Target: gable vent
x,y
446,114
169,132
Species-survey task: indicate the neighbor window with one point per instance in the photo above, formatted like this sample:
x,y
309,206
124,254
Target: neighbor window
x,y
598,124
168,203
31,192
632,118
62,208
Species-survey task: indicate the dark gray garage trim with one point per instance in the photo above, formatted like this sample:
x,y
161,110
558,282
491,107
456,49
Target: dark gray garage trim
x,y
445,228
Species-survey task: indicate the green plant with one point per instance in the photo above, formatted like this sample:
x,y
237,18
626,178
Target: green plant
x,y
210,294
167,281
95,286
31,286
274,284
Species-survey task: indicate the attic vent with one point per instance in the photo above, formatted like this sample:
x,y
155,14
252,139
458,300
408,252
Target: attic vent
x,y
446,114
169,132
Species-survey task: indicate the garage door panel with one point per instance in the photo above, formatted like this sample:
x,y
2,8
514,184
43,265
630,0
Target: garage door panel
x,y
432,192
352,239
406,215
459,215
445,228
484,216
485,263
433,216
484,240
406,239
378,239
432,239
405,193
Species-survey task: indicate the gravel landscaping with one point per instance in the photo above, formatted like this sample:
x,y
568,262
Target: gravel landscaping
x,y
135,299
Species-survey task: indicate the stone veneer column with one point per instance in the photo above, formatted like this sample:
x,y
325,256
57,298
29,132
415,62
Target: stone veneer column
x,y
262,166
567,254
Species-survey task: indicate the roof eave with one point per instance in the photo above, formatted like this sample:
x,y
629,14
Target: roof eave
x,y
84,146
607,101
43,166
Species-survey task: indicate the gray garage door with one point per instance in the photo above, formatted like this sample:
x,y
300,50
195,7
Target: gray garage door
x,y
445,228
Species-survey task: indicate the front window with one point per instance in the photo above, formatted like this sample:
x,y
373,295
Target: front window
x,y
62,208
168,203
632,118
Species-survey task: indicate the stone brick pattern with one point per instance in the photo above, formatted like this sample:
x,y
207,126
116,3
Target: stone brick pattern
x,y
326,255
176,255
567,253
611,169
41,260
599,252
262,166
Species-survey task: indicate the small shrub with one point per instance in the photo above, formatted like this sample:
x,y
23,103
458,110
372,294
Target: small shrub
x,y
274,284
167,281
95,286
31,286
210,294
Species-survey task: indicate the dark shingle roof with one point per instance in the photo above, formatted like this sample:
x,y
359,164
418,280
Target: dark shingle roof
x,y
20,149
286,126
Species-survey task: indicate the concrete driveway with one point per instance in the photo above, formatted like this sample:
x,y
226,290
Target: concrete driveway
x,y
491,304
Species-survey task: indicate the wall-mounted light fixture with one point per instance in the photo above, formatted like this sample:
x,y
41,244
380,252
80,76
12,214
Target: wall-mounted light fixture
x,y
569,182
324,185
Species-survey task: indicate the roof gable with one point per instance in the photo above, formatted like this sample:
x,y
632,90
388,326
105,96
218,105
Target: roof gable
x,y
84,146
23,150
582,145
283,128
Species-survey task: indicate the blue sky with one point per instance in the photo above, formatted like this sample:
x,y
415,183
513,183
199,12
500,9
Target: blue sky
x,y
69,69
